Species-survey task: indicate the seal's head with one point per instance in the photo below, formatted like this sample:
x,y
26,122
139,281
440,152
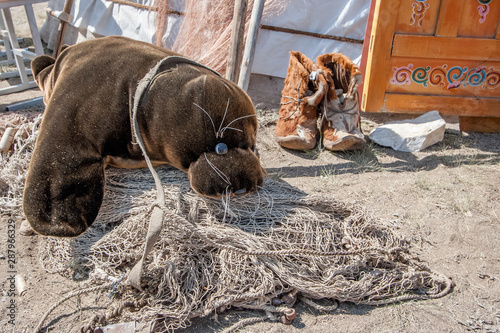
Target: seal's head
x,y
215,134
212,136
237,171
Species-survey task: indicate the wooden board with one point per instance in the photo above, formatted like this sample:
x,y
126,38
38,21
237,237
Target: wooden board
x,y
461,106
444,77
480,124
446,47
440,55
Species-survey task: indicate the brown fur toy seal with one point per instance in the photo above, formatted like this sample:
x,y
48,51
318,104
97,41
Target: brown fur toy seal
x,y
189,117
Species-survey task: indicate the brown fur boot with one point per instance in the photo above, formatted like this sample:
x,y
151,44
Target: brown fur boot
x,y
340,124
298,116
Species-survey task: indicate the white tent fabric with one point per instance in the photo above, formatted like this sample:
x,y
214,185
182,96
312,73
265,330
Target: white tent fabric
x,y
345,18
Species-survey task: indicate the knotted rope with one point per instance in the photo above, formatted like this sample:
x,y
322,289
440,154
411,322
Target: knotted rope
x,y
156,220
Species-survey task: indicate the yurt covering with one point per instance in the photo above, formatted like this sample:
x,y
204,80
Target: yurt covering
x,y
312,27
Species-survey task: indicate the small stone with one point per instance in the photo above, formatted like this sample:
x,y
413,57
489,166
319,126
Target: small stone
x,y
118,328
289,299
25,229
4,187
411,135
276,301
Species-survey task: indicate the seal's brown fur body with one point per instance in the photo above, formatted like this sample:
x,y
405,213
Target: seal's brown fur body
x,y
88,92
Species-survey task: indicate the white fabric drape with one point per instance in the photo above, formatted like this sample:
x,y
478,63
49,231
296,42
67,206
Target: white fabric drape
x,y
345,18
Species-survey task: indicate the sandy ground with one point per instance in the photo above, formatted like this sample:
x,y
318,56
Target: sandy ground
x,y
446,197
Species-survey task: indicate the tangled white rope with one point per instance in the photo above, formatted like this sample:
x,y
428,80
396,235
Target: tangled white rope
x,y
245,253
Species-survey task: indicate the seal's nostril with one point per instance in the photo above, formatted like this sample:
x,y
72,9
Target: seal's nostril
x,y
240,191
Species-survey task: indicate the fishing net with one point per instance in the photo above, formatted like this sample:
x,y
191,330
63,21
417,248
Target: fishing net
x,y
14,163
205,32
253,252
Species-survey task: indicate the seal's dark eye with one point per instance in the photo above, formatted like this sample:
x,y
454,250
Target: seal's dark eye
x,y
221,148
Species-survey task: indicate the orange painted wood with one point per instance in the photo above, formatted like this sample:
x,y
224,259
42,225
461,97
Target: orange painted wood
x,y
444,77
417,17
470,22
446,47
447,23
440,55
462,106
379,52
366,46
497,36
479,124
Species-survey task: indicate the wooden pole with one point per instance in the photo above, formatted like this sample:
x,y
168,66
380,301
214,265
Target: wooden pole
x,y
237,33
253,29
161,21
60,36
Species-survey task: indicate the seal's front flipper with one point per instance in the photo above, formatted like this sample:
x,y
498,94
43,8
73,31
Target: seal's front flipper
x,y
63,192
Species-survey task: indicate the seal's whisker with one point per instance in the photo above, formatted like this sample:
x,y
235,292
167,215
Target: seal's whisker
x,y
227,126
211,120
217,171
223,118
236,129
225,201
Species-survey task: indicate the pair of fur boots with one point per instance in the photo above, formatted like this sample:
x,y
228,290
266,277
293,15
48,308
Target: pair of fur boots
x,y
324,91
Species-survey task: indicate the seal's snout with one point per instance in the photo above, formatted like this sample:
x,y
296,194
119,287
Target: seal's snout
x,y
237,172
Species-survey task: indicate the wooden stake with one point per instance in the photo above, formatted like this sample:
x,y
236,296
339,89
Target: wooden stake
x,y
237,33
62,28
253,29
